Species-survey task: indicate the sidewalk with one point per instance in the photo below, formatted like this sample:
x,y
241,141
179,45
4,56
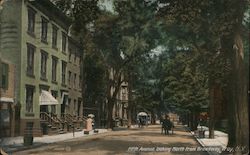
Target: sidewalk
x,y
218,143
14,144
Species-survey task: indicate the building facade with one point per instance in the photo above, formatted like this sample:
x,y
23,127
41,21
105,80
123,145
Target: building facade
x,y
34,39
121,105
74,78
7,107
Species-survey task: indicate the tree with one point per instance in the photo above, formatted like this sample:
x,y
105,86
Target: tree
x,y
186,86
225,23
146,85
140,31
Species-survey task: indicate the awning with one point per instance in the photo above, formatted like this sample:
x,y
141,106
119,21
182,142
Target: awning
x,y
142,114
47,99
6,100
64,99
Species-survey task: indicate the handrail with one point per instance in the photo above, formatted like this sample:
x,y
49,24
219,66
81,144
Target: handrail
x,y
66,118
48,118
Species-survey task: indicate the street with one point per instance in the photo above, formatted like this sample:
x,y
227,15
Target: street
x,y
146,140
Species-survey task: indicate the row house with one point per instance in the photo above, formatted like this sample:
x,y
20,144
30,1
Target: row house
x,y
75,106
99,108
121,105
7,107
34,39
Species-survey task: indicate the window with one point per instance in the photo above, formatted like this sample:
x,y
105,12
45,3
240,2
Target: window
x,y
64,64
54,36
69,76
44,30
29,98
44,57
124,93
80,82
4,76
75,106
54,68
80,60
75,80
30,59
69,101
54,93
75,57
31,20
53,109
64,42
70,54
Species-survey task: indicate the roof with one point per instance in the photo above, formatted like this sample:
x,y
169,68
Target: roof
x,y
54,13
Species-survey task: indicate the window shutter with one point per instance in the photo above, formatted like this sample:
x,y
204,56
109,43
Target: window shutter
x,y
1,74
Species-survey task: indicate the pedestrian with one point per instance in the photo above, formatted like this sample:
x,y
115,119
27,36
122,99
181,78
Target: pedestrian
x,y
161,122
140,122
93,123
167,125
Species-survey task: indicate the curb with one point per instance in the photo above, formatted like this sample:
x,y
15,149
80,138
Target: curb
x,y
10,150
200,142
203,145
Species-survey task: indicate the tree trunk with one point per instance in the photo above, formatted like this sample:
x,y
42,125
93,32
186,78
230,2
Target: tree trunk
x,y
130,102
153,117
236,91
112,96
110,124
189,120
211,111
193,121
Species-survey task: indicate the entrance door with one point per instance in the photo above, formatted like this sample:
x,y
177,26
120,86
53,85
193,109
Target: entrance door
x,y
64,102
4,123
44,108
79,107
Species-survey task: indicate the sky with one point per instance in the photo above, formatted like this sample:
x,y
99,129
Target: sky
x,y
107,4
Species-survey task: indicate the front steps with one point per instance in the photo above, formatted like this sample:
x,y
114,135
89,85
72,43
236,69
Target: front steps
x,y
54,125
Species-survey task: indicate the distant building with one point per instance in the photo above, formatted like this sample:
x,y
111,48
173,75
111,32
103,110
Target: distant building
x,y
121,105
99,108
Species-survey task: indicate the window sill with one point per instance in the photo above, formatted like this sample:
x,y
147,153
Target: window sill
x,y
54,47
30,75
64,52
44,41
64,85
29,114
44,79
32,34
54,82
